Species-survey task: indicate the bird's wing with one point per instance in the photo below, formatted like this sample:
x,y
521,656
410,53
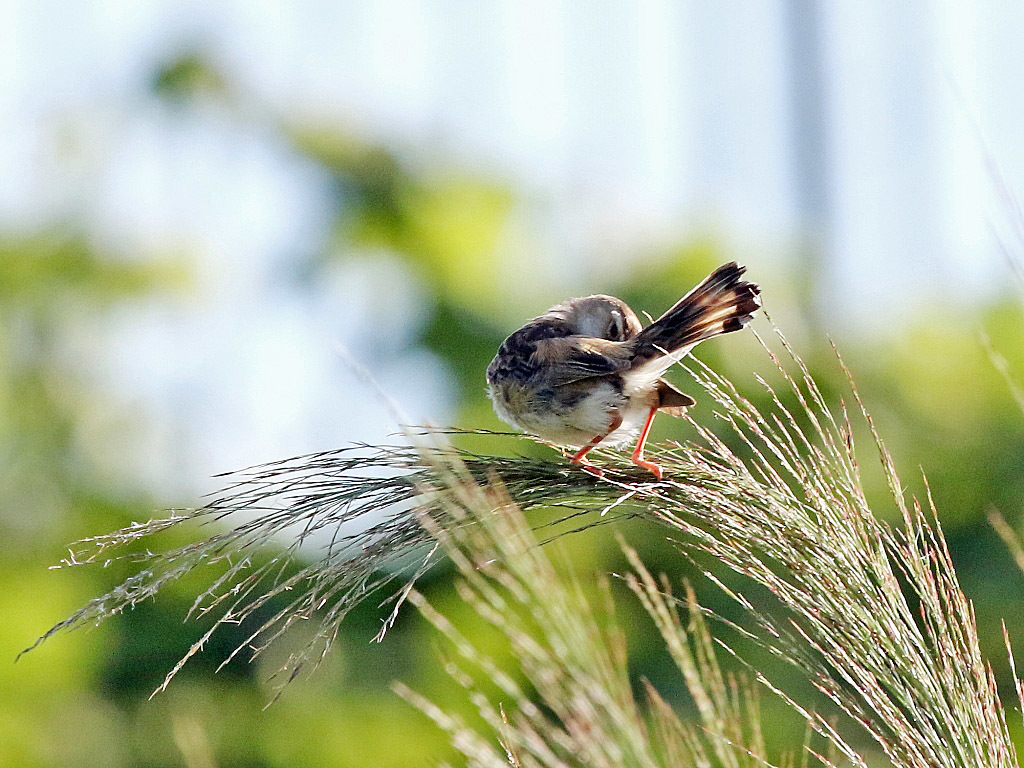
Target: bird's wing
x,y
574,358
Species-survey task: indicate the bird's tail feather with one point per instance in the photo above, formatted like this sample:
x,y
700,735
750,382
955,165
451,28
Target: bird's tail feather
x,y
721,304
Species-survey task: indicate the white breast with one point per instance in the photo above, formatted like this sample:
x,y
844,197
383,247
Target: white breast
x,y
578,423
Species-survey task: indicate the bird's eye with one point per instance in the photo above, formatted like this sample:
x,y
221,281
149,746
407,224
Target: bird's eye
x,y
615,329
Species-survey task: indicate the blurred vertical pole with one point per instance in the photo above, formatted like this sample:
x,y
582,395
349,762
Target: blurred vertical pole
x,y
810,153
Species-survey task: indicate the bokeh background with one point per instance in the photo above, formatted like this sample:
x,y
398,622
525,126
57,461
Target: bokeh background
x,y
207,209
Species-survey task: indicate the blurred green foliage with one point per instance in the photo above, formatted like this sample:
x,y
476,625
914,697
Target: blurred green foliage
x,y
189,76
81,700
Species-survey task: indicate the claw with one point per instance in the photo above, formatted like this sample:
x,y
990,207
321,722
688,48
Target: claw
x,y
650,466
586,466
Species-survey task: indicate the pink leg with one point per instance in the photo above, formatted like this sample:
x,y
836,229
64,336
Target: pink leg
x,y
638,454
580,456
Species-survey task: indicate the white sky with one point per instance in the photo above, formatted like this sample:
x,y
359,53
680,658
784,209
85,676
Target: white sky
x,y
628,121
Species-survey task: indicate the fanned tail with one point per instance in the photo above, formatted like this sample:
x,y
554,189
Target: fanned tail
x,y
721,304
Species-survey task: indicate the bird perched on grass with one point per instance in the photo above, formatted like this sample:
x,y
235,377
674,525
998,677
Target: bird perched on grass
x,y
587,372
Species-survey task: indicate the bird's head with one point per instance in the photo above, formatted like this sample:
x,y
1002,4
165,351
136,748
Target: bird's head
x,y
600,316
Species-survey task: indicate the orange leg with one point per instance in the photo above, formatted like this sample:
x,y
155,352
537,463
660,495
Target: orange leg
x,y
638,454
580,456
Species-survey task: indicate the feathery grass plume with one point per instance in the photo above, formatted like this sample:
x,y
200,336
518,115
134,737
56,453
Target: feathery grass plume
x,y
906,664
871,613
572,703
1015,214
366,501
1015,543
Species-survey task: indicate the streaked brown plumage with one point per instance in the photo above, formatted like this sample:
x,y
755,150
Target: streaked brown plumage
x,y
587,372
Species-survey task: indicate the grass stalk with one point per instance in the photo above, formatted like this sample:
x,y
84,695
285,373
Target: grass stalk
x,y
872,614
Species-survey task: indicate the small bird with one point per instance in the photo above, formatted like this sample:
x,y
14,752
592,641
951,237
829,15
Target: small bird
x,y
587,371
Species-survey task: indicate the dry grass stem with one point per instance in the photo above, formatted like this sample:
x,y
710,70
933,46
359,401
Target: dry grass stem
x,y
572,702
871,613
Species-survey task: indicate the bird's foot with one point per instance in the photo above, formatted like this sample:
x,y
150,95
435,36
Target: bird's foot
x,y
586,466
650,466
